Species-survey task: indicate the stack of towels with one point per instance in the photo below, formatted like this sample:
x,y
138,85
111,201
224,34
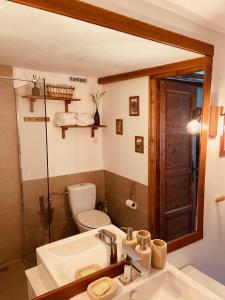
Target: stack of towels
x,y
84,119
71,118
63,119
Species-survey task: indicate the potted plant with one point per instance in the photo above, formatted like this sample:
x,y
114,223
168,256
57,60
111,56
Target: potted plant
x,y
95,99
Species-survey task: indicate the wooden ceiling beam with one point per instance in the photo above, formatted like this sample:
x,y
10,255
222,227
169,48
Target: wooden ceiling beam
x,y
195,64
93,14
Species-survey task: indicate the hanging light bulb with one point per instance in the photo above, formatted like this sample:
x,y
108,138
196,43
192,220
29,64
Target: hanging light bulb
x,y
194,127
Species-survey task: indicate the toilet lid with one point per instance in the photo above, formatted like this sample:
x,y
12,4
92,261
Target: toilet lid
x,y
93,219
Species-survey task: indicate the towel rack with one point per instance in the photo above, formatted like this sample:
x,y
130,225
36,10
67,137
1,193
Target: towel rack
x,y
220,198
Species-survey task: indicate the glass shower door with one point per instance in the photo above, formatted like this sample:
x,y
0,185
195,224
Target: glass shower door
x,y
32,131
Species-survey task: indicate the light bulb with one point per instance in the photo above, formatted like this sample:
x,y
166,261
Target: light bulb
x,y
194,127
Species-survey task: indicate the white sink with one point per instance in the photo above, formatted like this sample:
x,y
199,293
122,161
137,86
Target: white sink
x,y
58,261
167,284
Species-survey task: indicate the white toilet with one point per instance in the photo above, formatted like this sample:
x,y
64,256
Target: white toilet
x,y
82,199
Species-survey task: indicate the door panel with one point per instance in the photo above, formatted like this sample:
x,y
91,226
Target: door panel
x,y
176,185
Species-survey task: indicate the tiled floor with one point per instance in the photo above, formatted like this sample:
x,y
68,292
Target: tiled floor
x,y
13,285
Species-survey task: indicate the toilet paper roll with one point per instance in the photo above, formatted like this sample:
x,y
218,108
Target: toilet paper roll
x,y
131,204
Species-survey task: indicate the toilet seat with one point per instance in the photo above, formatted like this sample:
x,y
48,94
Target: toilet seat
x,y
93,219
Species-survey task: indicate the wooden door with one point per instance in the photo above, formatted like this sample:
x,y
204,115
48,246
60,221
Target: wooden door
x,y
176,184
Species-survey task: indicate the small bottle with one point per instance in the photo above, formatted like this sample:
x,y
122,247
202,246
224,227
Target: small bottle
x,y
35,90
145,252
130,240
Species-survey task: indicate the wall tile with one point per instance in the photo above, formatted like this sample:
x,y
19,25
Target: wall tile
x,y
10,248
9,169
33,189
9,142
117,191
9,222
34,239
7,103
9,195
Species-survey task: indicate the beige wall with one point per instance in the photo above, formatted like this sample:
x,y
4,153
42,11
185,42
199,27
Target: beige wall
x,y
117,191
10,227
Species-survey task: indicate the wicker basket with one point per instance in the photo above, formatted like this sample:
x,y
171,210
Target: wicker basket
x,y
60,90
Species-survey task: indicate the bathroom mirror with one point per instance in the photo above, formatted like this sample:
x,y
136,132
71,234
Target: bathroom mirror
x,y
102,167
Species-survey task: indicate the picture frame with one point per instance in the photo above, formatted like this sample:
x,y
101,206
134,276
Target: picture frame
x,y
134,106
119,126
139,144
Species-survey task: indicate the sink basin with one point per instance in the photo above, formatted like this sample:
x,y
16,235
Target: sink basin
x,y
59,261
169,284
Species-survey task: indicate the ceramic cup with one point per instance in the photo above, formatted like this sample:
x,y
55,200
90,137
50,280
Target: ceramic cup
x,y
144,234
159,251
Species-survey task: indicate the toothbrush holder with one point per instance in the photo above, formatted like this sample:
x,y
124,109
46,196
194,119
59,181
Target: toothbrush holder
x,y
144,234
159,251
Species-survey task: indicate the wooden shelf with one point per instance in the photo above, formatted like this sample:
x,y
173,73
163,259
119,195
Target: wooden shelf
x,y
33,99
92,127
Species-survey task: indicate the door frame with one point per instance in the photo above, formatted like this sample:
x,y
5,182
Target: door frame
x,y
153,171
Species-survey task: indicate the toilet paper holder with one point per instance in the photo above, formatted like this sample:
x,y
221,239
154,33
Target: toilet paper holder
x,y
131,202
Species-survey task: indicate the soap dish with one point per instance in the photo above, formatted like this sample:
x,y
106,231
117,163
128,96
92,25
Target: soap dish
x,y
108,294
87,270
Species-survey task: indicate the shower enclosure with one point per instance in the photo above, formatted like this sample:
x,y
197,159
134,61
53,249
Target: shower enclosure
x,y
33,159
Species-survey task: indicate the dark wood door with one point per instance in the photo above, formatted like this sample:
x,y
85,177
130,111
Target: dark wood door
x,y
176,184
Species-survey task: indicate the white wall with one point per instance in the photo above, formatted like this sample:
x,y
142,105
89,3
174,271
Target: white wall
x,y
207,254
119,150
78,152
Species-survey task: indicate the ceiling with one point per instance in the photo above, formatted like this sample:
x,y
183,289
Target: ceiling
x,y
40,40
209,13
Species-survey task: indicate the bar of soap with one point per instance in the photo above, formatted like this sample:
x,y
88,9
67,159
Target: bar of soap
x,y
101,288
87,272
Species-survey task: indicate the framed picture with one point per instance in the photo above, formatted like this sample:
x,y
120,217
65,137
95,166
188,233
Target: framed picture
x,y
134,106
139,144
119,126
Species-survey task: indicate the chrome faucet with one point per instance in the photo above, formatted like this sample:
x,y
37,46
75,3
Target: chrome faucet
x,y
133,261
109,238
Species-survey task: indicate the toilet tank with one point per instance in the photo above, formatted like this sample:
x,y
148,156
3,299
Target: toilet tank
x,y
82,197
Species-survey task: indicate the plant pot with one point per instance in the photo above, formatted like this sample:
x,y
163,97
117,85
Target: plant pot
x,y
97,118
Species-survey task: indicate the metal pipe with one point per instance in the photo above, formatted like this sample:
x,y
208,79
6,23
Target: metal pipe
x,y
12,78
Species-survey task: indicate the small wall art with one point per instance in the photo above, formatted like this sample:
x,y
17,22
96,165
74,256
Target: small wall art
x,y
134,109
119,126
139,144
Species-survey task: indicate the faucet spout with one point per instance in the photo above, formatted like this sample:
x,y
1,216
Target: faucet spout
x,y
134,260
109,238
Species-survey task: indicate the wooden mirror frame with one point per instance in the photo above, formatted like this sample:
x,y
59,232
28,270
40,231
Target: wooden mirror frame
x,y
204,64
92,14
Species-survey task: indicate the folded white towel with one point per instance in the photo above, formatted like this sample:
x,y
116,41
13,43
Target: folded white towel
x,y
85,122
65,122
63,119
84,116
65,116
